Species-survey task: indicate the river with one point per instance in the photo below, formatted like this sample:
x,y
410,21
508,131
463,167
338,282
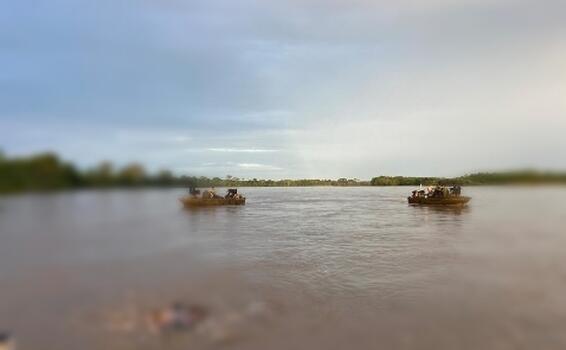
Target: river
x,y
302,268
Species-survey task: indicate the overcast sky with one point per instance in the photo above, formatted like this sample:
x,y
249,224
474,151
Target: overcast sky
x,y
295,88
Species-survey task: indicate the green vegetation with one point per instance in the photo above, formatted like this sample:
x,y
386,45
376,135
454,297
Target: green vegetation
x,y
403,181
231,181
41,172
500,178
45,172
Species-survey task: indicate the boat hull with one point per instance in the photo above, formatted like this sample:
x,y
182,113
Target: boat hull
x,y
190,202
459,200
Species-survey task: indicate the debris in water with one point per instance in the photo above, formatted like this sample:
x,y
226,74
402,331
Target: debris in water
x,y
7,342
176,317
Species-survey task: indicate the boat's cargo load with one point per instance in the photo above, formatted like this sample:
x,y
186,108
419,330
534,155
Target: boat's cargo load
x,y
438,195
210,198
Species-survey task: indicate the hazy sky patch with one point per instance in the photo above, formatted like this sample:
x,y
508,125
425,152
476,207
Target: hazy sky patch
x,y
287,88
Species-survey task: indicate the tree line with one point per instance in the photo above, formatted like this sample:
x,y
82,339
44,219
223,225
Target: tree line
x,y
47,171
483,178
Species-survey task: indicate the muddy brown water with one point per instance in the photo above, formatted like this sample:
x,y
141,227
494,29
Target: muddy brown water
x,y
304,268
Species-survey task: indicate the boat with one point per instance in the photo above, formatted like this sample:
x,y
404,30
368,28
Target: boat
x,y
439,195
210,198
204,202
460,200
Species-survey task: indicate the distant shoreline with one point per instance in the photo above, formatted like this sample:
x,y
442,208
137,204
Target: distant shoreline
x,y
46,173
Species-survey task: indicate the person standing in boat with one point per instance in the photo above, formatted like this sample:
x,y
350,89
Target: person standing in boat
x,y
457,190
212,194
207,194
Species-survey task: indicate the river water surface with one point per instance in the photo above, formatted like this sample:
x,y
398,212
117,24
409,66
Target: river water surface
x,y
299,268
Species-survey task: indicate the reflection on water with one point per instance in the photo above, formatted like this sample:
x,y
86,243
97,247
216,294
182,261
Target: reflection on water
x,y
293,268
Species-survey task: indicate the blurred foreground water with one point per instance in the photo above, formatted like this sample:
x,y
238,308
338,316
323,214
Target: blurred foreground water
x,y
316,268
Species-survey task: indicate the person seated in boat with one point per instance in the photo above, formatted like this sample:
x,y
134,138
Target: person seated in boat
x,y
418,193
193,191
439,192
454,191
232,193
436,192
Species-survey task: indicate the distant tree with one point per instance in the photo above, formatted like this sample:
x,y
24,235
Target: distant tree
x,y
41,172
102,175
132,175
165,178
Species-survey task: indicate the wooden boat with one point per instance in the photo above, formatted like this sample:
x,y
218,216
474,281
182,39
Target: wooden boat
x,y
191,201
450,200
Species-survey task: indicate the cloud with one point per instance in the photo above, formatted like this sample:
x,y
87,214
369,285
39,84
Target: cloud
x,y
242,150
221,150
256,166
180,139
151,136
222,168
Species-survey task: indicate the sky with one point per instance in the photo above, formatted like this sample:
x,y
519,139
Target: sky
x,y
287,89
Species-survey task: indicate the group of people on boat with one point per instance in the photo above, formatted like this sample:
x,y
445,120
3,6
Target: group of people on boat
x,y
210,193
438,191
